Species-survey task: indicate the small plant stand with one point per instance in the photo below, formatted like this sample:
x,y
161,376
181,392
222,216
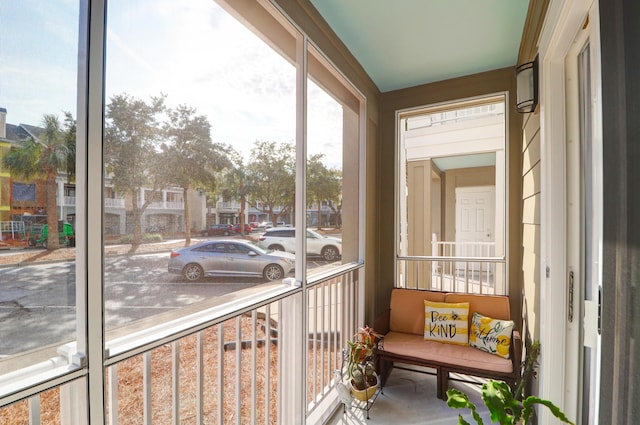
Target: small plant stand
x,y
348,400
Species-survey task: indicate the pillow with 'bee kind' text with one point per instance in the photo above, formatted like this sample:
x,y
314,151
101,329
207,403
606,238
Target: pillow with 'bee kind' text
x,y
446,322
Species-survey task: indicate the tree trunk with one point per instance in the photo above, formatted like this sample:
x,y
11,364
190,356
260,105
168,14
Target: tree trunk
x,y
136,214
242,219
187,217
53,241
319,215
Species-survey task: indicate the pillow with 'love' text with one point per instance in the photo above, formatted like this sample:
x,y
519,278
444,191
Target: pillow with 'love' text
x,y
491,335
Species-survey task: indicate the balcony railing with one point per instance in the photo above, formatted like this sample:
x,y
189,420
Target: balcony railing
x,y
108,202
166,205
223,205
479,275
239,362
114,202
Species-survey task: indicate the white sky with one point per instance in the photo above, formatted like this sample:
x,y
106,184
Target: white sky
x,y
192,51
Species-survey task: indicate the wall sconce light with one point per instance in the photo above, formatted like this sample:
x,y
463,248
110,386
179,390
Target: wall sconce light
x,y
527,87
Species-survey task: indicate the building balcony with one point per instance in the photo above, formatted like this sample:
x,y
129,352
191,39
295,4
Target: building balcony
x,y
69,201
120,203
166,205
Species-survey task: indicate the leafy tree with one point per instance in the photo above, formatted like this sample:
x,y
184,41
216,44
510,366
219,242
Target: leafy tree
x,y
235,186
323,184
271,177
189,157
54,150
132,157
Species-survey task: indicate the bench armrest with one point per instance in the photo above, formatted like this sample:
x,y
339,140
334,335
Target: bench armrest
x,y
381,323
516,353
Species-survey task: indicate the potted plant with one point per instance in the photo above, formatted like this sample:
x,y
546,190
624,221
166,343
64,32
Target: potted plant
x,y
507,407
361,366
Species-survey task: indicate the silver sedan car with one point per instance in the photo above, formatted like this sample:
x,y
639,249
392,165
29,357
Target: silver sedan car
x,y
229,258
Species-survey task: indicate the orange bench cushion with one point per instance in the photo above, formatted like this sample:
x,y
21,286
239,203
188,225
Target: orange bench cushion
x,y
415,346
407,309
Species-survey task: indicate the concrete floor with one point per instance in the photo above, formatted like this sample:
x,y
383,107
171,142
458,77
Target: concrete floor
x,y
410,398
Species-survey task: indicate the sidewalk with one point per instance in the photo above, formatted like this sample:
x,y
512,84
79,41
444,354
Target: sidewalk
x,y
15,256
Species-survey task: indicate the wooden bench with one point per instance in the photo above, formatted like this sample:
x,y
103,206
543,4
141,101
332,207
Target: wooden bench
x,y
403,329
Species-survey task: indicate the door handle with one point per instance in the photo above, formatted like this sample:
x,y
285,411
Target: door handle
x,y
570,298
599,310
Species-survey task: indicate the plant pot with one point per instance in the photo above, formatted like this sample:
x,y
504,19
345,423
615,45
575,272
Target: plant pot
x,y
367,393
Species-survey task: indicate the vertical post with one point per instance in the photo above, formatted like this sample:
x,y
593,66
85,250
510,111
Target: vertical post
x,y
34,410
146,388
238,369
175,381
221,373
113,395
293,366
90,203
199,377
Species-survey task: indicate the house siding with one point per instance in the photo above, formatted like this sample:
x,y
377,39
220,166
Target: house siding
x,y
531,195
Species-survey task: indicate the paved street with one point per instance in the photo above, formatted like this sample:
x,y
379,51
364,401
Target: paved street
x,y
37,301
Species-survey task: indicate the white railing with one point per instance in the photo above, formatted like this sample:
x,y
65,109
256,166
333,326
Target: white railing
x,y
479,275
12,229
108,202
332,318
462,249
114,202
227,364
224,205
165,205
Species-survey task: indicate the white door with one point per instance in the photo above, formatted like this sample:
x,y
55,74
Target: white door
x,y
475,221
584,220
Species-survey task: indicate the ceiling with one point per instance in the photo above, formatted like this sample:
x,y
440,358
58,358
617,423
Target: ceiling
x,y
404,43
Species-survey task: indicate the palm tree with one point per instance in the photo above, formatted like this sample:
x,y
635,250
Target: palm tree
x,y
235,187
43,158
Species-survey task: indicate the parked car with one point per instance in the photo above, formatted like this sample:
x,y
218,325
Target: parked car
x,y
247,228
269,224
229,258
284,239
219,230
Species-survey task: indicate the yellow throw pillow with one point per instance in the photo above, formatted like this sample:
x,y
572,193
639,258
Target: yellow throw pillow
x,y
446,322
491,335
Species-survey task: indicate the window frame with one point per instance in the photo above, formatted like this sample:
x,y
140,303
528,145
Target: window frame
x,y
501,161
89,356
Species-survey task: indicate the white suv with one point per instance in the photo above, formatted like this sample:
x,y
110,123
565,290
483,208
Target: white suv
x,y
284,239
